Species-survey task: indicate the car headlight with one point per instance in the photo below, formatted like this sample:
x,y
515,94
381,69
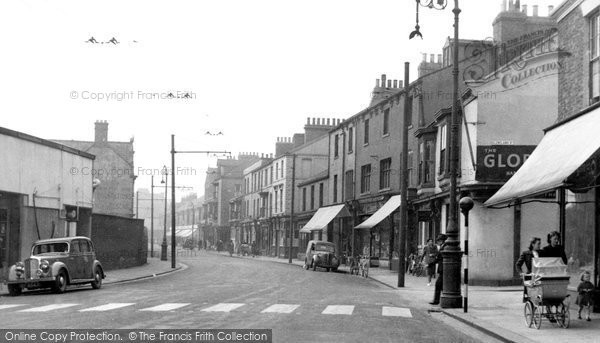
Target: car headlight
x,y
44,267
20,268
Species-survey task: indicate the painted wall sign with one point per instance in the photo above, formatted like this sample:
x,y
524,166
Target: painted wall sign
x,y
500,162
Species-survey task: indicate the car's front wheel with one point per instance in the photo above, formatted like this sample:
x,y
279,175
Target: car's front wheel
x,y
314,266
14,290
60,282
97,283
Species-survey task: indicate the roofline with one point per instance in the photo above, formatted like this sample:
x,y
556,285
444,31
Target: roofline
x,y
576,115
45,142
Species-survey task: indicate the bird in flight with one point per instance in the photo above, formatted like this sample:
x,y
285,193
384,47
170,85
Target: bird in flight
x,y
92,40
114,41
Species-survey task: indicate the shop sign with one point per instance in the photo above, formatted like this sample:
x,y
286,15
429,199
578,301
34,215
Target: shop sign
x,y
500,162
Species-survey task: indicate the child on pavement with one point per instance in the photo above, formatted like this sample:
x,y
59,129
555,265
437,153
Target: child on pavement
x,y
584,298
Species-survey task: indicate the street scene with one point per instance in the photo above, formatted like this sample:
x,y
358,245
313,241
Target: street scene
x,y
268,171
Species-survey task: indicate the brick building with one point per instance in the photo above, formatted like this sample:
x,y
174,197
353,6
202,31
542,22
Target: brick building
x,y
114,168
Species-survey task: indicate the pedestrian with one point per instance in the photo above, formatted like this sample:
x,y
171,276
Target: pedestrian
x,y
525,259
554,249
585,297
430,252
441,240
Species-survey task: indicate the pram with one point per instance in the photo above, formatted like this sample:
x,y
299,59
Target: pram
x,y
546,293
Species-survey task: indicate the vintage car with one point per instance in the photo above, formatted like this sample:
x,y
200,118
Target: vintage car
x,y
321,254
56,263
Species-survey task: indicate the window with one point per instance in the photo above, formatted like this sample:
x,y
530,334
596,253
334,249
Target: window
x,y
386,122
321,194
443,145
385,167
365,182
594,58
366,138
410,111
271,173
350,139
426,163
304,199
349,185
312,197
276,199
281,198
336,147
282,164
335,188
409,167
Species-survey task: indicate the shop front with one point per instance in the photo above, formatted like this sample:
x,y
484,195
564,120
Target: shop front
x,y
563,171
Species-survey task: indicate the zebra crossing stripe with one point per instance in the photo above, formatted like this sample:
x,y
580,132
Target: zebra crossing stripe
x,y
48,308
107,307
165,307
339,309
280,308
2,307
396,312
223,307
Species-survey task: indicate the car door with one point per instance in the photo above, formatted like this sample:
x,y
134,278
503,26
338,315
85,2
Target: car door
x,y
87,258
74,260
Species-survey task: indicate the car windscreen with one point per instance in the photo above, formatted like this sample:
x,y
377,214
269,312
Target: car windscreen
x,y
325,247
50,248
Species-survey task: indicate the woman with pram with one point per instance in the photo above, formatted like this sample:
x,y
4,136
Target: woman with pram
x,y
526,258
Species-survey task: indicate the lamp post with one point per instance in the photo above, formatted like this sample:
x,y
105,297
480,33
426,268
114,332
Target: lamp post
x,y
466,204
163,246
451,297
152,215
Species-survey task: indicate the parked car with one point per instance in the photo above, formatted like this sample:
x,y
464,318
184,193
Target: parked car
x,y
321,254
56,263
245,249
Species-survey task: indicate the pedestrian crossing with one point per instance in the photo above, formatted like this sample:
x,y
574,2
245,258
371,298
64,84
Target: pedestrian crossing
x,y
340,310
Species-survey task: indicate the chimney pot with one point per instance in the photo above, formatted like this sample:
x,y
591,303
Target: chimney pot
x,y
382,80
511,6
503,9
439,59
395,83
376,82
327,121
389,85
550,9
308,121
424,57
535,10
432,58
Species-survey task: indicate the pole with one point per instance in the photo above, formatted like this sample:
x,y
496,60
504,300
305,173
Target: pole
x,y
194,224
291,231
451,297
152,216
466,204
403,184
173,242
163,246
137,204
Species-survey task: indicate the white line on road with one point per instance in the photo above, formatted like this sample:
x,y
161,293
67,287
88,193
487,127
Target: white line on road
x,y
48,308
339,309
280,308
223,307
107,307
2,307
396,312
165,307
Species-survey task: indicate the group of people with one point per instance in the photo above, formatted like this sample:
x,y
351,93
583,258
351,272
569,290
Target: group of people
x,y
555,249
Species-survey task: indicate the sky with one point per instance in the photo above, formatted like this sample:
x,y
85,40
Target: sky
x,y
254,70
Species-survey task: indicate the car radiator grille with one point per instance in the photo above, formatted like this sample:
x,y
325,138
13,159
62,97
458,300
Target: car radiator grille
x,y
31,267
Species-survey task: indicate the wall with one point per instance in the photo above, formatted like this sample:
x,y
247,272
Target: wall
x,y
120,242
31,167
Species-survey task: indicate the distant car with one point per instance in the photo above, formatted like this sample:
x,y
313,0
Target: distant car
x,y
245,249
56,263
321,254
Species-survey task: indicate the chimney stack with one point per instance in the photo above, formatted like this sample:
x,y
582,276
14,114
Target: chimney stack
x,y
382,80
395,84
503,6
389,85
535,10
432,58
376,82
101,131
400,82
439,59
424,57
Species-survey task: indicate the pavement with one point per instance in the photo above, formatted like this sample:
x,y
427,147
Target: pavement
x,y
495,311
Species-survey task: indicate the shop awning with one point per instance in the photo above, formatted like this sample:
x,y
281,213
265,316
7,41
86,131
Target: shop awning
x,y
323,217
390,206
555,161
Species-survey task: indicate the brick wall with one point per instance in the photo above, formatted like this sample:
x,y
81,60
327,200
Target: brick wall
x,y
120,242
573,78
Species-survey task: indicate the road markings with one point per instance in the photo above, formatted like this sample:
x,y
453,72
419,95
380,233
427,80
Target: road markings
x,y
223,307
280,308
107,307
339,309
396,312
165,307
2,307
48,308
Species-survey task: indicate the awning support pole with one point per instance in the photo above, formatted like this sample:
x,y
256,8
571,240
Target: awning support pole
x,y
562,208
